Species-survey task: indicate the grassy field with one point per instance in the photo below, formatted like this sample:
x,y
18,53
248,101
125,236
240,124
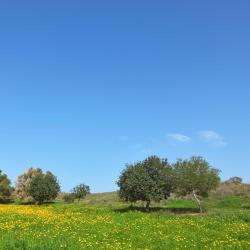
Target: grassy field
x,y
99,224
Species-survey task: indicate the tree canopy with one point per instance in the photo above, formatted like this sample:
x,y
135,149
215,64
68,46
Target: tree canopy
x,y
195,176
148,180
44,187
80,191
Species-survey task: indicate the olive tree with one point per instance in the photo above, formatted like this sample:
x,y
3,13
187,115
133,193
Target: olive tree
x,y
148,180
196,177
44,187
80,191
5,188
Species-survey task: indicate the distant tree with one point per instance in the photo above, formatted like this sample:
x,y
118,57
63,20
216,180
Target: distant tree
x,y
5,188
234,180
148,180
69,197
80,191
195,176
44,187
23,184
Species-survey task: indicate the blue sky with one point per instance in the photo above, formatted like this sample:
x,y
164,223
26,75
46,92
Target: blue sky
x,y
87,86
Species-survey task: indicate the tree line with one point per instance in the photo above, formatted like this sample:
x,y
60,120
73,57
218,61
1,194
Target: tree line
x,y
152,179
155,179
35,186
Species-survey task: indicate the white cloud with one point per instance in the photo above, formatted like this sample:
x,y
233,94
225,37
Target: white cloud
x,y
212,137
179,137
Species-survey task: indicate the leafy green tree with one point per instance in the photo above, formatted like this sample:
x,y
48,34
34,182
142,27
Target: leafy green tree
x,y
80,191
148,180
196,177
5,188
44,187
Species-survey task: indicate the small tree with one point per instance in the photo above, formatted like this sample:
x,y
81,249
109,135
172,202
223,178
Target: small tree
x,y
80,191
149,180
234,180
5,188
196,177
44,187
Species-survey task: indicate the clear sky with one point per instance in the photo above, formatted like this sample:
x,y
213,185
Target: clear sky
x,y
87,86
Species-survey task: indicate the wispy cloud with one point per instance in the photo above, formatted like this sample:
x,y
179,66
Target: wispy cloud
x,y
212,137
179,137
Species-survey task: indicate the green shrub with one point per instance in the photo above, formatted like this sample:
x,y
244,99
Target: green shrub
x,y
69,198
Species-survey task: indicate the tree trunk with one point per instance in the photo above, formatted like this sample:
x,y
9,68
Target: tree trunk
x,y
147,205
198,201
39,202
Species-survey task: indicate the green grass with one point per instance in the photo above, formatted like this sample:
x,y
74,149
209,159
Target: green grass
x,y
107,225
181,204
228,202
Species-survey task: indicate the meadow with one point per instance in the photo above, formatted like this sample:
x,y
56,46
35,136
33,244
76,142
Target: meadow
x,y
108,224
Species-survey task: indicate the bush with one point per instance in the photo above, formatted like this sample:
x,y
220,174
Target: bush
x,y
69,198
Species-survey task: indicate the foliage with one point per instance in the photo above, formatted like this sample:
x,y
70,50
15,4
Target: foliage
x,y
23,184
5,188
149,180
234,180
69,197
44,187
80,191
195,176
